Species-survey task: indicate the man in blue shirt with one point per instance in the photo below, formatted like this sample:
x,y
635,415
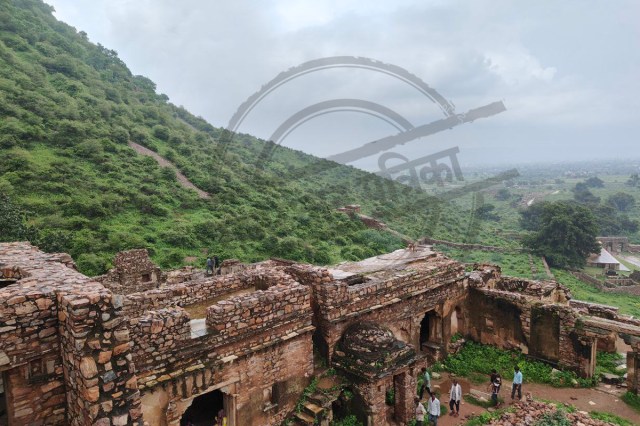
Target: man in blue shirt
x,y
517,383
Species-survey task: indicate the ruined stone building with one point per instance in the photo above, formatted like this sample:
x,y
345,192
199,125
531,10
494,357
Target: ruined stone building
x,y
138,345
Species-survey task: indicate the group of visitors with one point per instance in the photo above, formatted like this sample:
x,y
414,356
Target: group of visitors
x,y
432,411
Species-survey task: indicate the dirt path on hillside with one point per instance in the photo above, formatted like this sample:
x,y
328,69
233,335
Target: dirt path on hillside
x,y
184,181
604,398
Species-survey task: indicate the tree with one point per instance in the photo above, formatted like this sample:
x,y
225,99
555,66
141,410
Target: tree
x,y
11,221
582,194
487,212
503,194
594,182
634,180
562,231
621,201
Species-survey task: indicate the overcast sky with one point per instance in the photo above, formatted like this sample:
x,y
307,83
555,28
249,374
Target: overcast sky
x,y
566,71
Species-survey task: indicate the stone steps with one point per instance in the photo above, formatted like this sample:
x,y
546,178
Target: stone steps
x,y
304,418
312,409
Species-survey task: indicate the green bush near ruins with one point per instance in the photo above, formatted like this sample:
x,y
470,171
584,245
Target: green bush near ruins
x,y
476,358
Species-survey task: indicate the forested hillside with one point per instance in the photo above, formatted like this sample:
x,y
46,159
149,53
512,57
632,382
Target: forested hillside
x,y
70,183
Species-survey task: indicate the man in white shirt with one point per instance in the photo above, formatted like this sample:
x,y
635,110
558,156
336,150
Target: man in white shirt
x,y
433,409
455,395
420,413
517,383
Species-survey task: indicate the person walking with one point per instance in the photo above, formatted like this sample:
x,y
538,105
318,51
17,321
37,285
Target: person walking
x,y
433,409
426,382
210,267
517,383
455,395
420,413
216,265
495,383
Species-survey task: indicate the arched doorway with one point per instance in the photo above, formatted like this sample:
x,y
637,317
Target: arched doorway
x,y
425,329
204,409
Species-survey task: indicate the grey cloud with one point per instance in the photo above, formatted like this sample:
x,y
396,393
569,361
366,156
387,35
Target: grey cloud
x,y
566,72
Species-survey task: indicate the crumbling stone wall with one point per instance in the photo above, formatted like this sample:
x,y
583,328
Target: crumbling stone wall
x,y
183,294
500,318
398,301
56,327
133,272
248,350
258,311
157,335
203,289
101,381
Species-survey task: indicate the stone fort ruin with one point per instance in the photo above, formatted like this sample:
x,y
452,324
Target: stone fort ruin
x,y
138,345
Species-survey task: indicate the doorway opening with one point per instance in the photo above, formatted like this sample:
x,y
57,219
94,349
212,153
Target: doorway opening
x,y
428,328
205,410
456,321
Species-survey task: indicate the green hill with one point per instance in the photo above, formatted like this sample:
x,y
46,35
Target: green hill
x,y
70,107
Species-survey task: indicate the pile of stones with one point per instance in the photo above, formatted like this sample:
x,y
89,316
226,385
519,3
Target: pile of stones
x,y
530,412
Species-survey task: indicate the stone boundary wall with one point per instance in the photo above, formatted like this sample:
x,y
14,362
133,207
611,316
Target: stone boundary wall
x,y
309,275
588,278
619,282
549,290
191,292
182,294
595,309
464,246
632,289
237,327
157,335
338,300
634,248
258,311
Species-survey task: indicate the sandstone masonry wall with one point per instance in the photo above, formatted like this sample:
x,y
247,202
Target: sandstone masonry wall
x,y
56,326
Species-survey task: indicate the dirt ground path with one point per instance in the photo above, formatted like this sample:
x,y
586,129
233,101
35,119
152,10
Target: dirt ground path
x,y
184,181
604,398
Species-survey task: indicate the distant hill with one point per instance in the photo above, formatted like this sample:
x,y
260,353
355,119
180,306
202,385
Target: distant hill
x,y
69,109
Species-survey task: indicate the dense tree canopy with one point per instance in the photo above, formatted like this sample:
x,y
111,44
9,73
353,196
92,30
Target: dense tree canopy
x,y
562,231
621,201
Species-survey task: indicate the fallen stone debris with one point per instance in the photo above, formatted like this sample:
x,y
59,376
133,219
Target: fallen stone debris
x,y
526,413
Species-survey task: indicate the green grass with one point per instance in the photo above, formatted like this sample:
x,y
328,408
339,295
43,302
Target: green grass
x,y
475,358
610,418
347,421
487,417
632,400
512,264
607,363
484,404
629,305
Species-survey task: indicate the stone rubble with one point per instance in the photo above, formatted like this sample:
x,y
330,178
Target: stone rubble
x,y
527,413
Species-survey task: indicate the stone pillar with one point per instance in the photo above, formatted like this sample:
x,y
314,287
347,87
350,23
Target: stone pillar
x,y
102,387
405,393
587,356
633,360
